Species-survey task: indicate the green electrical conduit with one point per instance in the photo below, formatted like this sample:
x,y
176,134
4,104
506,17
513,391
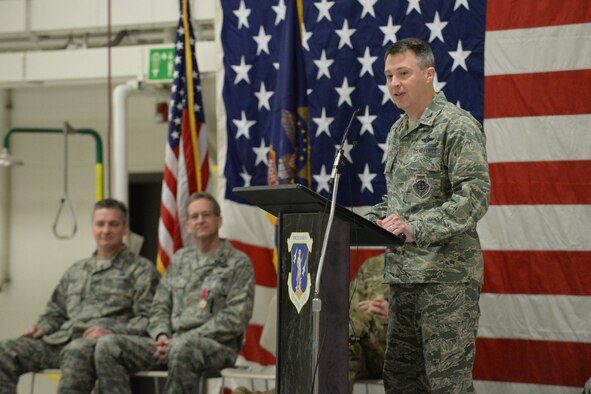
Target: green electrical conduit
x,y
6,160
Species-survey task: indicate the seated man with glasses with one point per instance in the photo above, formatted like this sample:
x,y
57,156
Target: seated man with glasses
x,y
199,314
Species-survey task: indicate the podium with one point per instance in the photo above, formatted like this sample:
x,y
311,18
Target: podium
x,y
303,216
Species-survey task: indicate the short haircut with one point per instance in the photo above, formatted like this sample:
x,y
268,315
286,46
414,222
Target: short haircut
x,y
114,204
217,211
421,49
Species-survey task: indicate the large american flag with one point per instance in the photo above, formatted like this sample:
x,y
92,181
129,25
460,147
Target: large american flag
x,y
523,68
186,167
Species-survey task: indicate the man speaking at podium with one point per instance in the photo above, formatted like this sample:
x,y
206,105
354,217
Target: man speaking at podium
x,y
437,189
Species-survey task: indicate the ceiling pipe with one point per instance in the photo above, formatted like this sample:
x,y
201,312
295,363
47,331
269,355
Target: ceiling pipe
x,y
119,165
4,201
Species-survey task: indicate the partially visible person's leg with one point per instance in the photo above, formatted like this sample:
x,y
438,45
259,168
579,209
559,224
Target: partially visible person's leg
x,y
402,360
22,355
77,367
450,315
188,356
118,356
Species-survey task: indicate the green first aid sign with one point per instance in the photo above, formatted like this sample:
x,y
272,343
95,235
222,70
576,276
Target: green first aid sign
x,y
161,64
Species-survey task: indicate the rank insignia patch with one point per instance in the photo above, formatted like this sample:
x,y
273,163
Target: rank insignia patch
x,y
421,185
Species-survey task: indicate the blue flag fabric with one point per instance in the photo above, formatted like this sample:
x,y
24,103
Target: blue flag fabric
x,y
342,46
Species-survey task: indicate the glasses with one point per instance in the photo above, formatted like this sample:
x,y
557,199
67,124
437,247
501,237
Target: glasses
x,y
205,215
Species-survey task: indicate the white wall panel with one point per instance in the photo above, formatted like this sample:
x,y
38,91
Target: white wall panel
x,y
83,64
87,65
12,16
12,67
59,15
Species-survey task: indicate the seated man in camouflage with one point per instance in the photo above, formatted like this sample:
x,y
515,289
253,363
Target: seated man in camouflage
x,y
368,321
107,293
199,315
368,324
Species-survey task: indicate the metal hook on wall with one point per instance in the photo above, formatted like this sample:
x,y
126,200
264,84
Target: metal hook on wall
x,y
65,200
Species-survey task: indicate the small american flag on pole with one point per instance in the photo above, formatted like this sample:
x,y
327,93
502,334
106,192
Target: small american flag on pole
x,y
186,167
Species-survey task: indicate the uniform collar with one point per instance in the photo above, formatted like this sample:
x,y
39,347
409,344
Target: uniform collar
x,y
429,114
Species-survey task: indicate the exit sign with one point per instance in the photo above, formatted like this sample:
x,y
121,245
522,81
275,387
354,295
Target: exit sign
x,y
161,64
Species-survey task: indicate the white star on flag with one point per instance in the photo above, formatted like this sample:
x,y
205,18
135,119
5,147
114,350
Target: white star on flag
x,y
366,121
368,7
383,147
347,148
438,86
366,63
323,123
322,180
243,125
345,92
366,177
262,41
280,11
262,153
389,31
242,71
385,92
323,64
460,3
345,35
413,5
436,28
306,35
246,177
242,13
459,56
263,96
323,9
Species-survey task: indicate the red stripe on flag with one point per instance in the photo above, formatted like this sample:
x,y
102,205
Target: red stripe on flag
x,y
511,14
537,272
262,262
529,361
252,351
537,94
541,182
358,256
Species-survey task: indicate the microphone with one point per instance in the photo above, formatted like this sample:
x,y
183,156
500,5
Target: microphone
x,y
338,160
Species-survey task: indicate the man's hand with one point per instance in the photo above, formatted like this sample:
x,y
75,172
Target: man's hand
x,y
377,306
33,331
95,332
162,343
396,226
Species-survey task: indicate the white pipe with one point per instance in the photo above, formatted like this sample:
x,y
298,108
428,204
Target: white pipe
x,y
4,204
119,164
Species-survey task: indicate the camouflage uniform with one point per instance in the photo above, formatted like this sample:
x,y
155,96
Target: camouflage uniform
x,y
366,352
438,182
204,307
115,295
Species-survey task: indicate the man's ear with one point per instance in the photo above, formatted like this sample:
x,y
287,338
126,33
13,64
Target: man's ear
x,y
430,74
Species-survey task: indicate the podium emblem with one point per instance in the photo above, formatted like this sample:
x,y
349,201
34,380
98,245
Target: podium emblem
x,y
298,280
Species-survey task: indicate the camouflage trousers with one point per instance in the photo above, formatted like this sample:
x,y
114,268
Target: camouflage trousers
x,y
118,356
366,353
431,338
75,359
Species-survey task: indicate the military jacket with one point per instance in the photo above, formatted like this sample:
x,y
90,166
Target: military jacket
x,y
437,181
212,299
367,285
116,295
